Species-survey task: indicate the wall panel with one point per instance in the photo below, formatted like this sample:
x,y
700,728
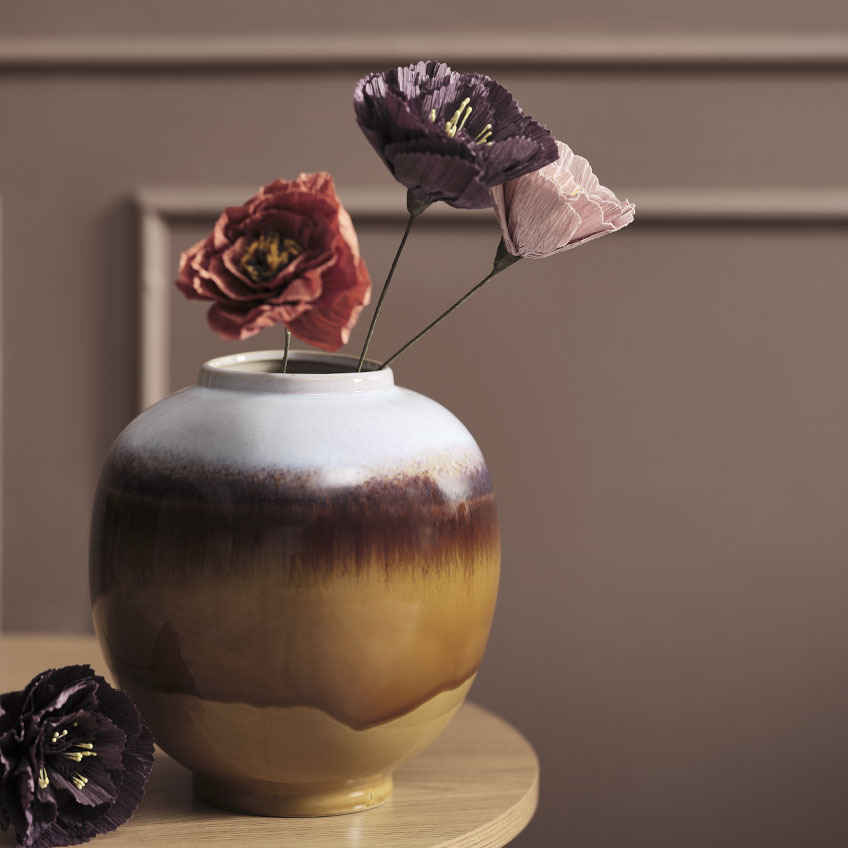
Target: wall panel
x,y
664,412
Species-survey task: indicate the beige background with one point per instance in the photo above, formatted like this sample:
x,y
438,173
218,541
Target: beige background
x,y
664,412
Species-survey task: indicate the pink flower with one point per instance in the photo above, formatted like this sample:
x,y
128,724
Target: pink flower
x,y
289,255
557,207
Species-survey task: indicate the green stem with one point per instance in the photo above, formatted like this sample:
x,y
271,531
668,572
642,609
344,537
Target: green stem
x,y
286,350
500,265
414,212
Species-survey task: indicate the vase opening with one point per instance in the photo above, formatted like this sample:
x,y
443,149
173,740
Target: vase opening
x,y
300,362
307,371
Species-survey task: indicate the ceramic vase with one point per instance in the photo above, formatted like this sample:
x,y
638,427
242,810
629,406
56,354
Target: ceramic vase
x,y
294,577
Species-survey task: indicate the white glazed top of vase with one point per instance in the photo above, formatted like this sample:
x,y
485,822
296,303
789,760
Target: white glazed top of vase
x,y
344,427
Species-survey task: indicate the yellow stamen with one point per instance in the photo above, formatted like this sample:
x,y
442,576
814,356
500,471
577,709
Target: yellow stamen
x,y
459,111
83,745
73,755
451,125
464,118
79,781
486,131
267,255
432,116
43,779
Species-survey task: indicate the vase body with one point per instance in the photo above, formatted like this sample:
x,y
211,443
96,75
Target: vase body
x,y
294,577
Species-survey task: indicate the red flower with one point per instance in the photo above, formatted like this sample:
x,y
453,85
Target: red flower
x,y
289,255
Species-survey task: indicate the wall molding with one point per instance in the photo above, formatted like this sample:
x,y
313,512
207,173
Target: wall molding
x,y
541,50
693,204
2,444
159,208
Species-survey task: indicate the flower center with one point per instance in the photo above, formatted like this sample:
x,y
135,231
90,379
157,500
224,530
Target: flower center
x,y
86,749
457,122
267,254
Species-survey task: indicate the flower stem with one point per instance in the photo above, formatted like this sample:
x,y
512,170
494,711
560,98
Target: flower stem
x,y
500,265
286,351
413,214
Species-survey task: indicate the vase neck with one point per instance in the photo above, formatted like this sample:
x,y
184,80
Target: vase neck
x,y
308,372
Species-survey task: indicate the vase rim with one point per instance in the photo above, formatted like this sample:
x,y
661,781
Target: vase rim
x,y
313,372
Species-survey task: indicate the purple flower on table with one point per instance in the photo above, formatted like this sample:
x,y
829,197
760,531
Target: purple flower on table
x,y
449,136
74,758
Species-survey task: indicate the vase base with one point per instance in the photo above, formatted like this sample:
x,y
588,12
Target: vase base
x,y
263,798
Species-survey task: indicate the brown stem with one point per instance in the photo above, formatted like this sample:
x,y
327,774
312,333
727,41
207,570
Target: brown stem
x,y
414,212
501,264
286,351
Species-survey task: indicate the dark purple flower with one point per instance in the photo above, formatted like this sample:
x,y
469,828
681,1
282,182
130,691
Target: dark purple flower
x,y
449,136
74,758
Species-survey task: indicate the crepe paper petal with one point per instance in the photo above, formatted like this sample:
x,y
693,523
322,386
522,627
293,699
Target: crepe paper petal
x,y
557,207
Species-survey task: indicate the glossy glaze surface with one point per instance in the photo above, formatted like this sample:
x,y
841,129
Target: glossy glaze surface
x,y
295,577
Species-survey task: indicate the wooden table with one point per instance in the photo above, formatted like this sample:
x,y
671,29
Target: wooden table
x,y
475,787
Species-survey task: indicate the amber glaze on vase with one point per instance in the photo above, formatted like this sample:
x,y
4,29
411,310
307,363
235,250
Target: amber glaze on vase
x,y
294,576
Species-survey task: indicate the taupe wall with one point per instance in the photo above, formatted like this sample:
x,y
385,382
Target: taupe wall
x,y
664,412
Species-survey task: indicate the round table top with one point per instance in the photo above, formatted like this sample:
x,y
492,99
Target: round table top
x,y
475,787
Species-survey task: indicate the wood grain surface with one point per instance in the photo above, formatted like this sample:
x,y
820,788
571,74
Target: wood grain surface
x,y
476,787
